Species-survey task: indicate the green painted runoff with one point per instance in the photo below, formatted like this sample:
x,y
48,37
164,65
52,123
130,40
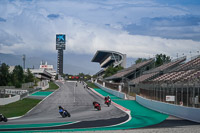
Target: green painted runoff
x,y
42,93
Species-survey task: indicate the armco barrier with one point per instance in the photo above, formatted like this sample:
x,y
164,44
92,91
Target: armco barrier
x,y
114,92
4,101
188,113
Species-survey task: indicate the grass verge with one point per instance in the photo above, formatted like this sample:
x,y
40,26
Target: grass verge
x,y
52,87
92,85
18,108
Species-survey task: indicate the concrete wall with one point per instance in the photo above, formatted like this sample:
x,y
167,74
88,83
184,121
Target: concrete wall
x,y
44,84
188,113
4,101
114,92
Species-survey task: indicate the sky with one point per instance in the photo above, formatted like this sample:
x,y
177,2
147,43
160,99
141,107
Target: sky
x,y
137,28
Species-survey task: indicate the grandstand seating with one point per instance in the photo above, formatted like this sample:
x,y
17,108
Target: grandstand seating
x,y
192,76
152,73
143,78
186,72
180,76
195,63
167,65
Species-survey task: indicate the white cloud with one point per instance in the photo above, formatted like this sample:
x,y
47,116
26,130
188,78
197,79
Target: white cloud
x,y
85,29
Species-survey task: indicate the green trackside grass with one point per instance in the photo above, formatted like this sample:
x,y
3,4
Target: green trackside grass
x,y
52,87
92,85
18,108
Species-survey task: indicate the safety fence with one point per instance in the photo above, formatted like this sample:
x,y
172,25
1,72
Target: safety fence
x,y
121,87
9,94
111,91
114,86
184,94
11,90
19,94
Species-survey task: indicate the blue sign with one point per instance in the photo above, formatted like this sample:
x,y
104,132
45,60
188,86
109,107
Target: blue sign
x,y
60,39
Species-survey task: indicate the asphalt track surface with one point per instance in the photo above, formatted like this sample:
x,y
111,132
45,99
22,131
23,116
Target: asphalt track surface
x,y
78,101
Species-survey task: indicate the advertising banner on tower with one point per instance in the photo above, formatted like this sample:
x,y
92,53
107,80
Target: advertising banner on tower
x,y
60,41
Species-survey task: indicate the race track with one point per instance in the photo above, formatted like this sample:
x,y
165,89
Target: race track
x,y
78,101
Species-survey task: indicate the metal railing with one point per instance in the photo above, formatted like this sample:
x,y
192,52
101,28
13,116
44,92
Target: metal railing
x,y
114,86
184,94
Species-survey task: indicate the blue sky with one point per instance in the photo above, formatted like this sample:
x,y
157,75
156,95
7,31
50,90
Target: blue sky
x,y
138,28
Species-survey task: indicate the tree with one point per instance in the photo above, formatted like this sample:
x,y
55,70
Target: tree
x,y
29,77
4,75
17,76
161,59
139,60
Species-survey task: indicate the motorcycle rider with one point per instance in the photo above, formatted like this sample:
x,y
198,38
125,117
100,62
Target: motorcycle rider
x,y
95,103
61,109
107,98
63,112
3,118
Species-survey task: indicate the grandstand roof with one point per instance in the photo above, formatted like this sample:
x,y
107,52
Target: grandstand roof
x,y
100,72
127,71
102,54
106,58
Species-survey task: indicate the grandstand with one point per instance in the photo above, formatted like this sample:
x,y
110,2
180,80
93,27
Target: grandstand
x,y
185,72
132,72
192,64
41,74
153,73
181,82
108,58
171,88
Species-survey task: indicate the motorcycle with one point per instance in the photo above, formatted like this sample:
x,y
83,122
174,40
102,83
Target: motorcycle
x,y
97,105
3,118
108,102
65,113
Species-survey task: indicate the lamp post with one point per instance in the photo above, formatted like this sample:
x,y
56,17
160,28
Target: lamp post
x,y
191,55
24,59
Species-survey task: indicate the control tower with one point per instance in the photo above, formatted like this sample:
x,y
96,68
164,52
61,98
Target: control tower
x,y
60,46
